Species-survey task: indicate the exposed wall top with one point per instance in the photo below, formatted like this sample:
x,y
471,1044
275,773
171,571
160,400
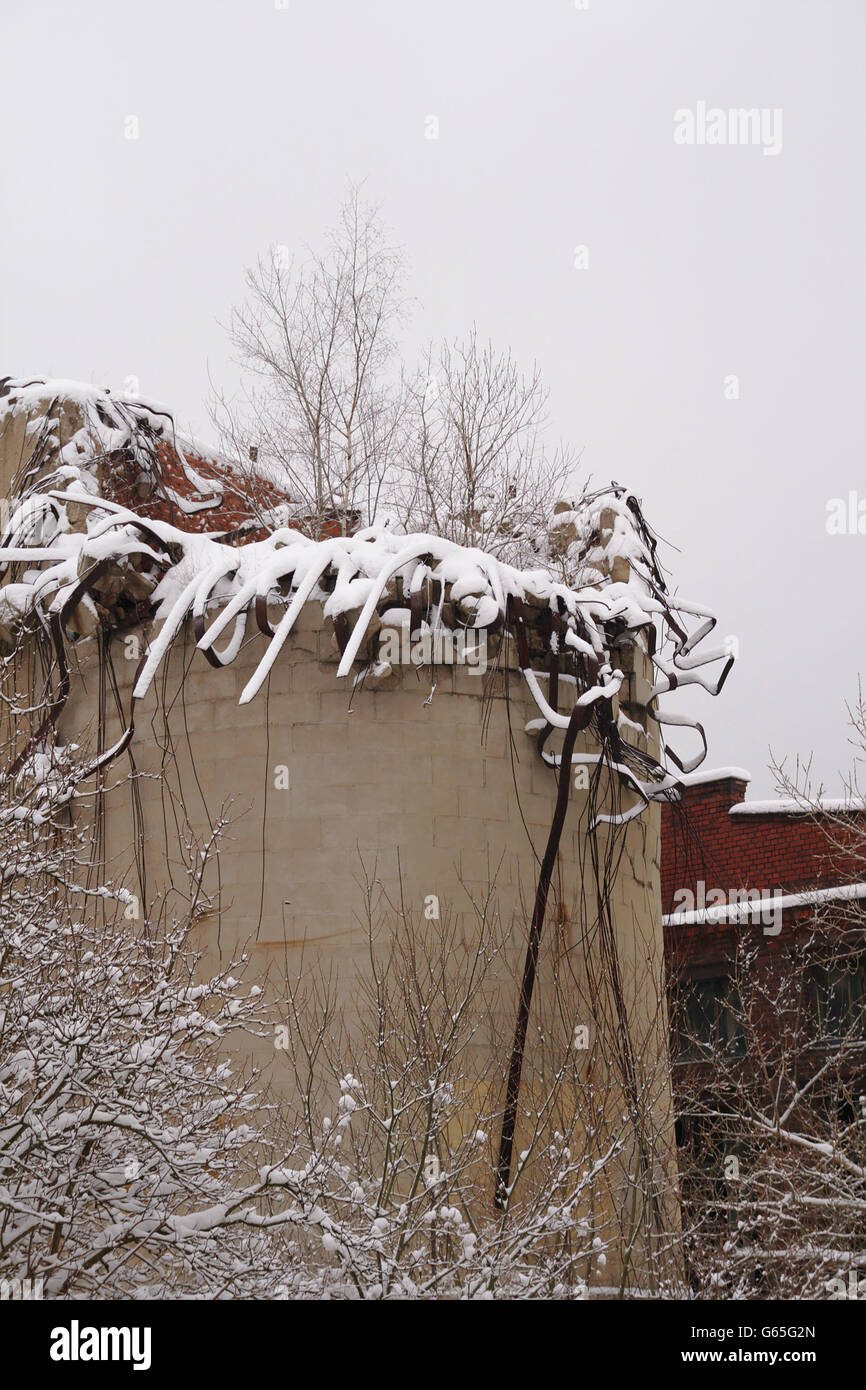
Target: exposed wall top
x,y
80,552
789,806
717,774
131,448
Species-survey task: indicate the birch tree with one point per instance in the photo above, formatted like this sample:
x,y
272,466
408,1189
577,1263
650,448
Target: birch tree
x,y
454,444
316,337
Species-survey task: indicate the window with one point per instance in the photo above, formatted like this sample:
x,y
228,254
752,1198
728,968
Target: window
x,y
709,1018
839,1000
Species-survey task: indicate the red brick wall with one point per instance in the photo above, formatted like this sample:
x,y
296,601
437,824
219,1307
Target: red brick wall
x,y
240,501
702,840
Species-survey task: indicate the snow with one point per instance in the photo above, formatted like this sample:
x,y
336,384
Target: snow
x,y
738,912
623,722
799,807
355,576
715,774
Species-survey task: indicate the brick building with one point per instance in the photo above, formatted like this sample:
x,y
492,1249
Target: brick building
x,y
765,943
731,866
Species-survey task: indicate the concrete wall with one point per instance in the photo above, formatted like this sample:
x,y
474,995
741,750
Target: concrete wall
x,y
455,786
445,799
451,790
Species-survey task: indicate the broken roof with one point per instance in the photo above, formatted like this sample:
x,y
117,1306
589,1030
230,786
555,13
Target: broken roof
x,y
88,543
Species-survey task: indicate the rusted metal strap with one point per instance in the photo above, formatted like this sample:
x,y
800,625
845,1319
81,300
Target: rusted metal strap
x,y
416,610
262,619
579,719
213,658
342,631
514,611
57,628
553,625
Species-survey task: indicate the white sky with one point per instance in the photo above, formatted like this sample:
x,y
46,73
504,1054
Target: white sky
x,y
556,129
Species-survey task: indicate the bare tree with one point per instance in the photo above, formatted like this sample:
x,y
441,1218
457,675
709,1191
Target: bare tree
x,y
455,446
138,1157
771,1085
479,471
326,404
407,1095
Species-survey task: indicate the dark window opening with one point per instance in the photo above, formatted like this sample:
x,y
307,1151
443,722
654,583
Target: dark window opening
x,y
839,1001
709,1019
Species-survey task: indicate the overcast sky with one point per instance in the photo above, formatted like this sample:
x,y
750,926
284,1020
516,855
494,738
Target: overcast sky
x,y
556,130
